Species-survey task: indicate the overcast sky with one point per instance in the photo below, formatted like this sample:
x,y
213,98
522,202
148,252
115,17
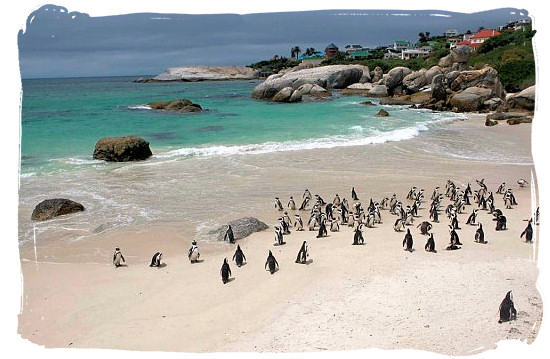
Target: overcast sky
x,y
64,42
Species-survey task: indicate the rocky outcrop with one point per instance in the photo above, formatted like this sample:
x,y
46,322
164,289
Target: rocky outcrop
x,y
377,74
439,90
459,55
393,80
378,91
181,106
333,76
358,88
313,90
414,81
487,77
287,94
51,208
122,149
512,118
241,228
524,100
204,73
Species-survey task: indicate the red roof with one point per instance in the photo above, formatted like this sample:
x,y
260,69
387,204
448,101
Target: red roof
x,y
486,33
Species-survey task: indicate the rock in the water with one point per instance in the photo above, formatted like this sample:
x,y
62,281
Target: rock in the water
x,y
489,122
242,228
122,149
180,105
382,113
50,208
313,90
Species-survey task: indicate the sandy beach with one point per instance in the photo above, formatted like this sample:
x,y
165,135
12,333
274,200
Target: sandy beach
x,y
345,298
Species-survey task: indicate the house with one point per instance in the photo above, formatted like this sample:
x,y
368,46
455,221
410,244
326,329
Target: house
x,y
331,50
451,33
516,25
352,48
414,53
475,40
359,54
390,54
314,59
399,45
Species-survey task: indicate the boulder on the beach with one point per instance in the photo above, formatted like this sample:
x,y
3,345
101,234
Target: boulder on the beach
x,y
394,79
378,91
471,99
122,149
377,74
358,88
180,105
524,100
242,228
439,91
51,208
414,81
332,76
205,73
487,78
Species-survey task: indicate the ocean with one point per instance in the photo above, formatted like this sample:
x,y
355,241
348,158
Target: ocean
x,y
204,163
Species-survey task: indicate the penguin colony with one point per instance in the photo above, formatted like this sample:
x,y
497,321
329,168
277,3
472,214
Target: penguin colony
x,y
340,212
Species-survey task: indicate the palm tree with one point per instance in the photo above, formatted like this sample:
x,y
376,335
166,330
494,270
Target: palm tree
x,y
310,51
295,51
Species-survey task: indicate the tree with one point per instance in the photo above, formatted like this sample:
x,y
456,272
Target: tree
x,y
295,51
310,51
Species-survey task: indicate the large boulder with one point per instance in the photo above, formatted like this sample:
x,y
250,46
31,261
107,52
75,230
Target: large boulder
x,y
241,228
414,81
431,72
51,208
394,79
122,149
377,74
378,91
313,90
205,73
461,54
358,88
471,99
439,91
333,76
487,77
180,105
524,100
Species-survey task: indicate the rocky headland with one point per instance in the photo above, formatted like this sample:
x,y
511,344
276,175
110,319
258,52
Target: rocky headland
x,y
180,105
204,73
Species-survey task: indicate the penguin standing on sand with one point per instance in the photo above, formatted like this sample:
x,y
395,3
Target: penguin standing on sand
x,y
425,227
291,204
302,253
271,262
501,223
278,204
304,204
408,241
117,257
528,233
358,236
239,257
322,229
155,261
454,237
229,234
279,236
334,226
225,271
193,253
298,222
430,244
506,310
480,235
472,217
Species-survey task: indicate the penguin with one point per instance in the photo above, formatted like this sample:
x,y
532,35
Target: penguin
x,y
501,223
454,237
291,204
117,257
303,253
307,194
399,224
506,310
454,221
501,188
278,204
430,244
434,214
528,233
435,193
336,201
480,235
304,204
412,193
279,236
328,211
239,257
229,234
225,271
472,217
358,236
298,223
425,227
522,183
284,225
312,223
354,194
155,261
408,241
334,226
194,253
322,229
272,263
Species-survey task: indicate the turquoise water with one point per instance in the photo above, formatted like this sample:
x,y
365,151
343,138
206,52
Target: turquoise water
x,y
62,119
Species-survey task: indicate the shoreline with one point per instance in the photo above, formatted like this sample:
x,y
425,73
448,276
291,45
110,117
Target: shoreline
x,y
317,304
